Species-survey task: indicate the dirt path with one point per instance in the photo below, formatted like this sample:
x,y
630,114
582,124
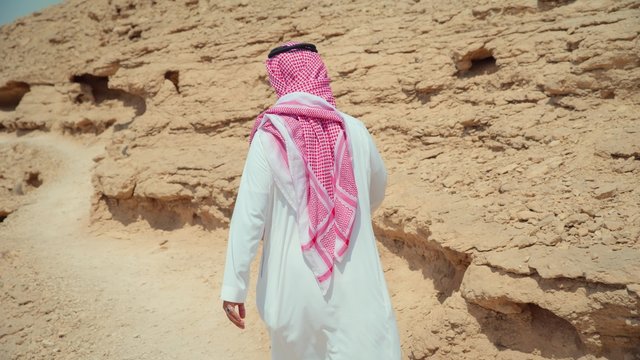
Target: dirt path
x,y
115,295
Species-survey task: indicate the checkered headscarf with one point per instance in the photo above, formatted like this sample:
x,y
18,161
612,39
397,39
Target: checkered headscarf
x,y
300,70
319,135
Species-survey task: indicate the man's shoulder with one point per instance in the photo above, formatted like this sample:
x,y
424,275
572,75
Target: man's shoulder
x,y
353,122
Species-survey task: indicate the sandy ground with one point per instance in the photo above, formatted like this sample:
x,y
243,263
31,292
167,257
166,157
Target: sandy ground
x,y
116,293
113,292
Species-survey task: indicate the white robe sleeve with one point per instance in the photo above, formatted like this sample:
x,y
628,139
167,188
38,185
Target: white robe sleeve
x,y
378,176
247,222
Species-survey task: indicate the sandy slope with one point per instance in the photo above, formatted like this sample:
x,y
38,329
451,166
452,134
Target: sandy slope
x,y
116,294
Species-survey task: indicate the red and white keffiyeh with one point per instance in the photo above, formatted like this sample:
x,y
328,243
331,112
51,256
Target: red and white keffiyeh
x,y
311,130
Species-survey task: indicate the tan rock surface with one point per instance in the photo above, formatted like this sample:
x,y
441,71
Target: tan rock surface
x,y
509,129
24,169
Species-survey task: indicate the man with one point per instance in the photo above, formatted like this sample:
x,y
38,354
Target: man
x,y
311,180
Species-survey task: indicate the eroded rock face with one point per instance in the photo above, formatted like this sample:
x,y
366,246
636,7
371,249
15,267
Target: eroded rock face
x,y
509,130
24,169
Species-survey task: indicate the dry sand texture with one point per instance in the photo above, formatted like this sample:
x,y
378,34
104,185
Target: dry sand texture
x,y
510,129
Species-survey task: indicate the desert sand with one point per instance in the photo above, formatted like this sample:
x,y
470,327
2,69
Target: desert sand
x,y
511,226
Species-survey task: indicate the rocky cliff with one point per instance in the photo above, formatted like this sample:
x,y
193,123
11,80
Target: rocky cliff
x,y
509,129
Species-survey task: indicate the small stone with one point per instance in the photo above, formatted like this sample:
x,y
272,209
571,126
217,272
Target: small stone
x,y
121,30
613,225
526,215
594,225
451,180
559,227
537,171
47,342
507,187
484,189
588,210
605,192
506,169
547,219
576,219
522,241
535,206
635,288
431,154
502,217
534,231
606,237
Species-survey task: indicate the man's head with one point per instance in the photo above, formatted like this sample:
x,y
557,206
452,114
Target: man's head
x,y
297,67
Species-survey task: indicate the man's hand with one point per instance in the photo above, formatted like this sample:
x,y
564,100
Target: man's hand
x,y
229,309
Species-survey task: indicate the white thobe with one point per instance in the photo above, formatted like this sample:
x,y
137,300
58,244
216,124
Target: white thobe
x,y
355,319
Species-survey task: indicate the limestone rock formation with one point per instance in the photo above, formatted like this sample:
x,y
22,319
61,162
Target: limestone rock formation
x,y
23,170
509,129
